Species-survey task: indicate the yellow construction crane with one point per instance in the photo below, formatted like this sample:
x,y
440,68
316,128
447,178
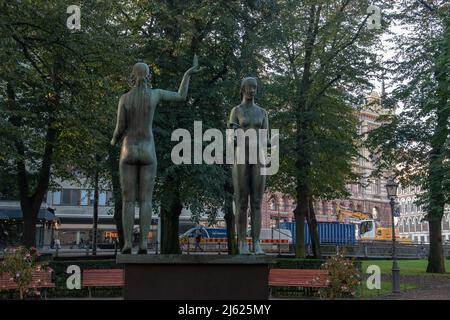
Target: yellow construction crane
x,y
367,227
342,214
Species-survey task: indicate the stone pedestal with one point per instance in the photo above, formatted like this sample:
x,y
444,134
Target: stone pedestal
x,y
196,277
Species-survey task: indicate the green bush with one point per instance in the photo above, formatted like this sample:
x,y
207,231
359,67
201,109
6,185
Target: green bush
x,y
19,264
344,278
289,263
282,263
297,263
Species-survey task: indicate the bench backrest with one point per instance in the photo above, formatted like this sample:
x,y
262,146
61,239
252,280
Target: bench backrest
x,y
41,279
298,278
103,278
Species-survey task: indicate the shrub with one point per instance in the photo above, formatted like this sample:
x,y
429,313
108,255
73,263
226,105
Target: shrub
x,y
284,263
19,264
344,278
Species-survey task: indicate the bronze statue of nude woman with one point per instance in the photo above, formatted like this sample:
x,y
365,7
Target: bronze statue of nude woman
x,y
248,182
137,156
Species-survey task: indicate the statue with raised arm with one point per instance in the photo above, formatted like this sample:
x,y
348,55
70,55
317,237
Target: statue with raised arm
x,y
137,156
248,181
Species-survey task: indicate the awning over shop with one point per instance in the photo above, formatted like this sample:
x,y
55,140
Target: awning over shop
x,y
15,214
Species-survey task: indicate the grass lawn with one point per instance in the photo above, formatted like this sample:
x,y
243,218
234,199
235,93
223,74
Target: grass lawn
x,y
407,267
386,288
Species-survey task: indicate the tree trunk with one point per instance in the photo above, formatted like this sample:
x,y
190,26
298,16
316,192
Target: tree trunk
x,y
302,161
436,258
95,216
312,225
230,220
299,214
29,226
437,198
170,215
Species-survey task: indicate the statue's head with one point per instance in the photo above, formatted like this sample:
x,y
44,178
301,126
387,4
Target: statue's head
x,y
141,70
141,73
249,87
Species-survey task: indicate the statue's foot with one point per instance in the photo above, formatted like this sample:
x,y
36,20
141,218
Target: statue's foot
x,y
126,248
243,249
142,248
258,249
142,251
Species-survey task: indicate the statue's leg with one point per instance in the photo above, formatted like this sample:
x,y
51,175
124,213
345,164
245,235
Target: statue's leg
x,y
147,176
128,177
258,184
241,192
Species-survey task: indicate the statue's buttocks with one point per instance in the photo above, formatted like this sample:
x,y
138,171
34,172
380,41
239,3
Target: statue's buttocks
x,y
138,145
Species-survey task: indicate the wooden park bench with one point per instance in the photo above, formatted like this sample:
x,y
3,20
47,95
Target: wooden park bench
x,y
41,280
303,278
102,278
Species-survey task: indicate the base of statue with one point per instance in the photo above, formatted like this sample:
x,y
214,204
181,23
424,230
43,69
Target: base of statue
x,y
195,276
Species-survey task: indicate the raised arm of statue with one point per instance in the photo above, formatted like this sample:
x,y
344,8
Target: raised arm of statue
x,y
121,123
181,95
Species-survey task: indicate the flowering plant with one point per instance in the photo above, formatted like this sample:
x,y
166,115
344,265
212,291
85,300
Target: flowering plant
x,y
344,278
19,264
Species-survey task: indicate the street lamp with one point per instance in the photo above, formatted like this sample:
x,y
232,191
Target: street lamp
x,y
391,188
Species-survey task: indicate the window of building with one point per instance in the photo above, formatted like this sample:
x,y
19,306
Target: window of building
x,y
109,198
66,197
84,201
418,225
57,197
102,198
377,186
75,197
273,205
71,197
444,223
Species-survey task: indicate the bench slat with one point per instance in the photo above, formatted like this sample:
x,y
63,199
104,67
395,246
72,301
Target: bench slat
x,y
103,278
40,279
298,278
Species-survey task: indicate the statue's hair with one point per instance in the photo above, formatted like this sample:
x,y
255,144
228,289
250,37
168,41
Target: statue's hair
x,y
138,97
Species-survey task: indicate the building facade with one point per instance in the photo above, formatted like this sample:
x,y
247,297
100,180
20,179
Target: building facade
x,y
369,196
411,222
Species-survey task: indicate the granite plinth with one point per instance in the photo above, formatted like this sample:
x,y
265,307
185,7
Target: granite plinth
x,y
196,277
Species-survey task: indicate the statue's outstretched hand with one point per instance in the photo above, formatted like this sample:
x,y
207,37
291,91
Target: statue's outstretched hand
x,y
195,68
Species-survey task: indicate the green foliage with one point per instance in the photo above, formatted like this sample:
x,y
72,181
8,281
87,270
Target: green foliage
x,y
415,143
297,263
20,263
344,278
318,102
305,264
